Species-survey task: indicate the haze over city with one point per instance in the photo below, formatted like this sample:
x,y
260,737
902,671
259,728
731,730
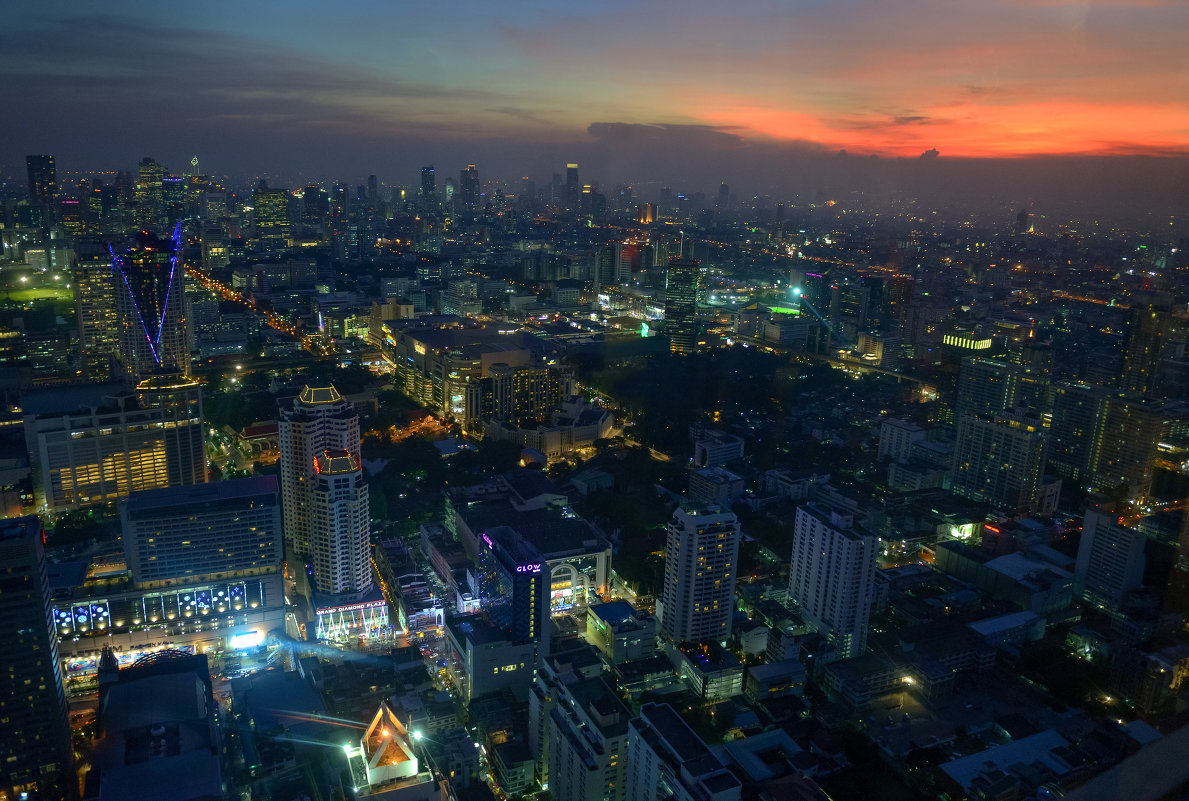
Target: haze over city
x,y
763,94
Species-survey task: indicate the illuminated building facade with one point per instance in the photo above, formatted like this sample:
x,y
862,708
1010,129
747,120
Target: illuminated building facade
x,y
832,575
35,736
469,188
681,301
1110,561
99,443
149,284
385,763
513,588
197,532
319,420
271,214
201,568
95,308
697,601
340,541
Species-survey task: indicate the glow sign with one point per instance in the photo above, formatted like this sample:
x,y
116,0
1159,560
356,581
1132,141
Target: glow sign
x,y
534,568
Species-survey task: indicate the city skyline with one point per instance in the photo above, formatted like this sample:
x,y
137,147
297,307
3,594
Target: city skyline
x,y
655,94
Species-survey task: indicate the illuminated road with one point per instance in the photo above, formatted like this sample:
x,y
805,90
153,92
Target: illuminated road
x,y
310,342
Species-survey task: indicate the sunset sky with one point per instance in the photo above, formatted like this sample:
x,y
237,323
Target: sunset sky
x,y
516,82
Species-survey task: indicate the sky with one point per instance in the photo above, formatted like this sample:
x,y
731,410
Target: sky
x,y
644,91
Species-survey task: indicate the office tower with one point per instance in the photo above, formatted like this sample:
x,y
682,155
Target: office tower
x,y
43,181
96,445
1148,325
318,421
1075,436
1000,461
340,524
469,188
723,199
150,194
373,190
429,184
314,207
149,285
513,584
681,301
1110,561
195,532
668,761
573,187
95,308
1132,432
270,212
697,601
34,735
832,575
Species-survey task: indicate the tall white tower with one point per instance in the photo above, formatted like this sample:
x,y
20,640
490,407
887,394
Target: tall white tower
x,y
319,421
341,542
832,575
698,599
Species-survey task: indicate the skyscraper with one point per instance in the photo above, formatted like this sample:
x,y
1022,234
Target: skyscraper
x,y
34,735
150,306
832,575
429,185
150,194
1147,328
95,308
681,300
271,215
573,187
340,524
43,181
697,600
318,421
469,188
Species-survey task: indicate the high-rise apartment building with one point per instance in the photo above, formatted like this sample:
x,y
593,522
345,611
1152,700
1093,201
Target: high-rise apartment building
x,y
668,761
340,525
1110,561
35,750
1075,436
681,302
832,575
1148,325
991,387
149,282
999,460
96,445
43,181
1133,429
697,600
318,421
588,733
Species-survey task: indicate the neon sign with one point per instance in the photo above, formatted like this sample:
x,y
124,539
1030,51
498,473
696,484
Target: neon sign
x,y
533,568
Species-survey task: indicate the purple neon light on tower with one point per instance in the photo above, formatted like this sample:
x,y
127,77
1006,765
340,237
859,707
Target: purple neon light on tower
x,y
150,307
